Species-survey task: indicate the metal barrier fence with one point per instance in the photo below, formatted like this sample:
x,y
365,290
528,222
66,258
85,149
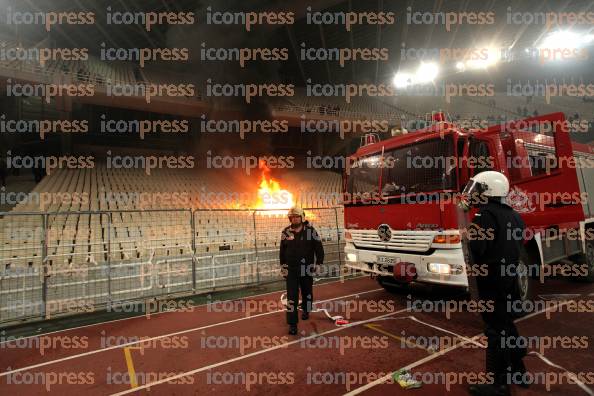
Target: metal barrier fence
x,y
55,264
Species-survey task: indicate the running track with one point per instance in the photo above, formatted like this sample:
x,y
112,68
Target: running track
x,y
231,351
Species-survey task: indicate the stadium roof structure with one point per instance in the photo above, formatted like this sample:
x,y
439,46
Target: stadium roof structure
x,y
515,38
121,36
127,36
394,37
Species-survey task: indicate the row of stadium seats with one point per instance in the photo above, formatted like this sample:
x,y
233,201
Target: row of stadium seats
x,y
315,189
6,43
139,225
393,109
120,189
93,70
334,106
499,107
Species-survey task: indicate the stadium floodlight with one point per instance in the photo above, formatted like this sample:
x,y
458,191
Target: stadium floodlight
x,y
490,59
426,73
565,39
402,80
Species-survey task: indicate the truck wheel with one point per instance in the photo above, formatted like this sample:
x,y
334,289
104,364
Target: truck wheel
x,y
588,258
523,281
391,285
525,272
523,278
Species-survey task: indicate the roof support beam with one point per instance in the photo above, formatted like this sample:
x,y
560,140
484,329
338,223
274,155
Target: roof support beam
x,y
295,51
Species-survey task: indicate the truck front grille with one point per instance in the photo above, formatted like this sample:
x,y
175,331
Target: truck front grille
x,y
413,241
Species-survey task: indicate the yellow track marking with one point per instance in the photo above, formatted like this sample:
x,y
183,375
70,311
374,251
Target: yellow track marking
x,y
130,364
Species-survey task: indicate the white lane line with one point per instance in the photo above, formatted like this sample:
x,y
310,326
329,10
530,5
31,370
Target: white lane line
x,y
571,375
164,312
438,354
5,373
261,351
448,331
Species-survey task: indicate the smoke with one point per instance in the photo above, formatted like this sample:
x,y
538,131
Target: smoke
x,y
225,36
229,72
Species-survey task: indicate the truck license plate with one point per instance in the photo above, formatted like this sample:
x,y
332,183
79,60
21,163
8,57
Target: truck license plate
x,y
387,260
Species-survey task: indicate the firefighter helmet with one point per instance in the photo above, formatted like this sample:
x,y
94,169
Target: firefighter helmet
x,y
296,211
488,183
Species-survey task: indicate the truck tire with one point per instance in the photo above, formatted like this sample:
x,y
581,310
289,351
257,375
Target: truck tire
x,y
523,282
588,258
523,278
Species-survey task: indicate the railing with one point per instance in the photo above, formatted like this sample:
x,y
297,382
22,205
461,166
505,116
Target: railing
x,y
349,111
57,264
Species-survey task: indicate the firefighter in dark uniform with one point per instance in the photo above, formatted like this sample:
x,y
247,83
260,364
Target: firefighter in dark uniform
x,y
500,252
301,251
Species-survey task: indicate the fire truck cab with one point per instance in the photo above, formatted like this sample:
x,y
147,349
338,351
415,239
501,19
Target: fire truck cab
x,y
403,223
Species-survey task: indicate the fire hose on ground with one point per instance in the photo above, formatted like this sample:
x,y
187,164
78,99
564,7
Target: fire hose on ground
x,y
404,377
337,319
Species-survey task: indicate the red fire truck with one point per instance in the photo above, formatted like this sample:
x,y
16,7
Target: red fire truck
x,y
402,219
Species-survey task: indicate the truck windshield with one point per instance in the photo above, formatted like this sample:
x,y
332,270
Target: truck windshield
x,y
365,175
422,167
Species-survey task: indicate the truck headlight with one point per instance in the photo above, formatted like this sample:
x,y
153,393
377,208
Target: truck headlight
x,y
352,257
444,269
438,268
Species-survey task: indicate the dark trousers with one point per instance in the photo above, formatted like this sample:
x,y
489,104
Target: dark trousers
x,y
296,281
504,352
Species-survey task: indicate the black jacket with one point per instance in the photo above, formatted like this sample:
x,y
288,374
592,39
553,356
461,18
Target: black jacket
x,y
498,246
304,248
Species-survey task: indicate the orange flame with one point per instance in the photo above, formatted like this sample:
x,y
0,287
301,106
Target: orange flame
x,y
271,195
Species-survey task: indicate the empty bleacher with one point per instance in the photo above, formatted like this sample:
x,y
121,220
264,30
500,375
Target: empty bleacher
x,y
360,108
137,214
92,70
399,109
102,235
315,189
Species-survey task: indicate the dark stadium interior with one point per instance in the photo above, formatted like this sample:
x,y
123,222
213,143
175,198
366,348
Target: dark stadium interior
x,y
297,72
170,190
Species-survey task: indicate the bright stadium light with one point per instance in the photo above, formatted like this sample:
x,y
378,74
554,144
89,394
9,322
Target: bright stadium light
x,y
565,39
426,72
402,80
560,39
491,58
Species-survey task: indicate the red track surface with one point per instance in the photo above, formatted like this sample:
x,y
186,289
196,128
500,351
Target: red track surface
x,y
201,349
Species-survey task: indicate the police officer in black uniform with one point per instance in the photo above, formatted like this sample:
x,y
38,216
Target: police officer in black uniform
x,y
500,252
301,251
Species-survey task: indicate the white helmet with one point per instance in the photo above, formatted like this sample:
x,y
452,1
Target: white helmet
x,y
489,184
296,211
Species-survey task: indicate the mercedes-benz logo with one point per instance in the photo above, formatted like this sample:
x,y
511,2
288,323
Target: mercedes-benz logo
x,y
384,232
